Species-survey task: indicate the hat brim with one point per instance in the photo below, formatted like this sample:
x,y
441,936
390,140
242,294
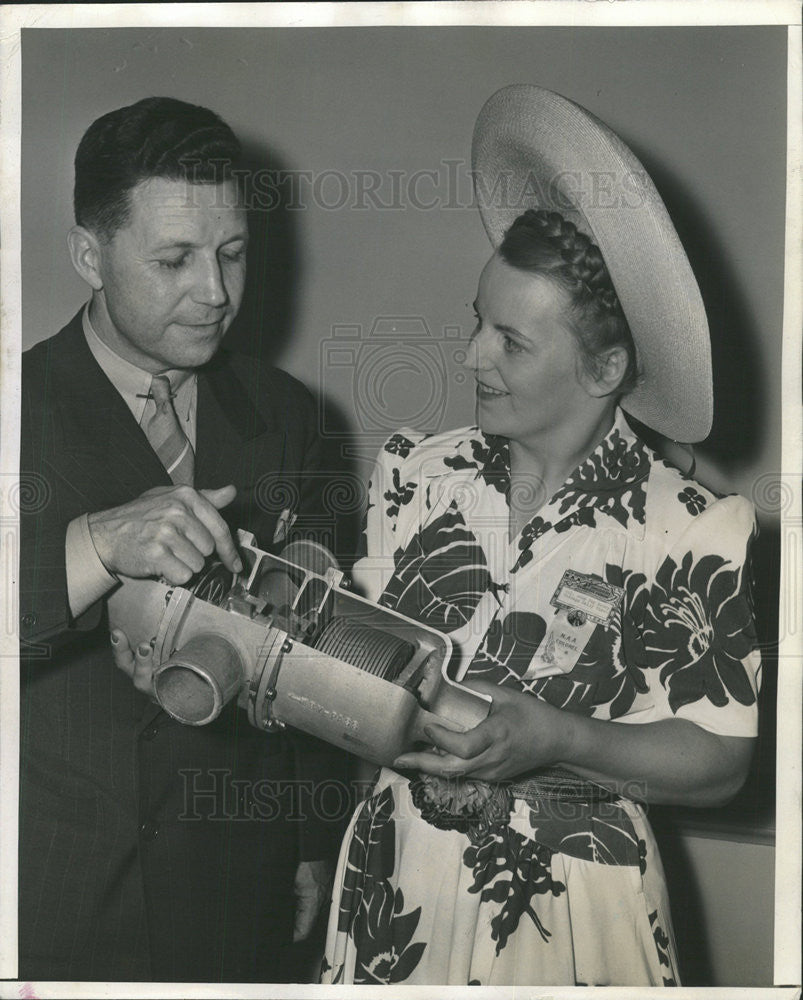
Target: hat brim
x,y
533,148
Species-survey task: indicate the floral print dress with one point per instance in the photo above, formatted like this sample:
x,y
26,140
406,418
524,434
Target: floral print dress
x,y
544,891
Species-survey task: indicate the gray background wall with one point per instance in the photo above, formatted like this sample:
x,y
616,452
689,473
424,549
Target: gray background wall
x,y
703,108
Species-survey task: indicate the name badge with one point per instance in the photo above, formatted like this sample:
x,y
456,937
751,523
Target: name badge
x,y
587,598
581,602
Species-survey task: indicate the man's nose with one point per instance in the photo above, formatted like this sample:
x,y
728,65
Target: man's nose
x,y
210,288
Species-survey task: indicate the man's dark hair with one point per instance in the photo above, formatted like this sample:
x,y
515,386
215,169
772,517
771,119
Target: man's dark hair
x,y
156,137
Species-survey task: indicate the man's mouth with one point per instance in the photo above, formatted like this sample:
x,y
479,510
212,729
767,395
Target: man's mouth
x,y
209,325
485,391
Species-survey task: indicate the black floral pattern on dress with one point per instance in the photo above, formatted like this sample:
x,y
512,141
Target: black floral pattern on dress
x,y
601,832
441,575
613,479
694,502
507,648
698,628
400,495
538,526
491,459
398,444
371,910
661,946
511,869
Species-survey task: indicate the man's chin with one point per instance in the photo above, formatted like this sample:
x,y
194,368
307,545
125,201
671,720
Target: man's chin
x,y
196,349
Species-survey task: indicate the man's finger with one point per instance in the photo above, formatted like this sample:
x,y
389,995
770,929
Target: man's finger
x,y
186,552
221,497
173,570
206,510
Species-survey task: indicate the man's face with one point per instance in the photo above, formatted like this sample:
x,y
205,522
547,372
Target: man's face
x,y
173,275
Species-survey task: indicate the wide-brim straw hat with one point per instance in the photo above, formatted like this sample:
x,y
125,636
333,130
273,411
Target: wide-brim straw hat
x,y
535,149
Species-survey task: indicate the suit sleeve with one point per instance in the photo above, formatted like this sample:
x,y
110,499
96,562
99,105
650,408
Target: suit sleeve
x,y
45,618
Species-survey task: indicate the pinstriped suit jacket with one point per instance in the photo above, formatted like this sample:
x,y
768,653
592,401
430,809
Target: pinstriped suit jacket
x,y
141,857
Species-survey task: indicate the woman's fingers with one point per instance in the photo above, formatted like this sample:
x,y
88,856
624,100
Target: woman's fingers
x,y
444,765
464,745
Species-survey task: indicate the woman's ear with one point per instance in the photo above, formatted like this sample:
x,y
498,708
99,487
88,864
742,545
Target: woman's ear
x,y
609,370
85,254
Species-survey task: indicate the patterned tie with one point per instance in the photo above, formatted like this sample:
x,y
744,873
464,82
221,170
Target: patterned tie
x,y
166,436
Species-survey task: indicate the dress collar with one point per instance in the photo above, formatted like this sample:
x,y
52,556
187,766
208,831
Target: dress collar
x,y
611,481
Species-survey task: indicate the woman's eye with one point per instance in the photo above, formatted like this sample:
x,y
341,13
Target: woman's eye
x,y
510,345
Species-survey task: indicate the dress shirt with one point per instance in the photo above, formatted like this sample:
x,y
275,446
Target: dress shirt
x,y
87,578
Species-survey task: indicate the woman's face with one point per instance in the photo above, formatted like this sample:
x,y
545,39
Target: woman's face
x,y
530,377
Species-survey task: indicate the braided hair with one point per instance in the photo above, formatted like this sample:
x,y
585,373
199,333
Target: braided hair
x,y
547,244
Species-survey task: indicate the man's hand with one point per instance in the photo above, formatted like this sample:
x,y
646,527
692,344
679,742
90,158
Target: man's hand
x,y
168,531
313,887
138,665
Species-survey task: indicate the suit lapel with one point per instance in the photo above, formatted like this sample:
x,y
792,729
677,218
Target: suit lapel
x,y
239,442
102,447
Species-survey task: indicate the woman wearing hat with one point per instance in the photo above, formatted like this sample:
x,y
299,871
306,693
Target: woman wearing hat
x,y
598,595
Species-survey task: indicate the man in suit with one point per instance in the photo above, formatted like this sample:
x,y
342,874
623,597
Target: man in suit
x,y
151,850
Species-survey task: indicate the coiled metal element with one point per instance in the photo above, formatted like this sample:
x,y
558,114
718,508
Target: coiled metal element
x,y
368,648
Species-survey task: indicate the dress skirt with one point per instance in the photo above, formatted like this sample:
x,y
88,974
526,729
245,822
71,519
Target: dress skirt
x,y
555,893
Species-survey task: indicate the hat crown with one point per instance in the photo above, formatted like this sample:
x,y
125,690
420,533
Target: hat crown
x,y
533,148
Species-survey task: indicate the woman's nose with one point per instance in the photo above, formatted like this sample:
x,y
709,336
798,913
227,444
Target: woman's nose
x,y
478,351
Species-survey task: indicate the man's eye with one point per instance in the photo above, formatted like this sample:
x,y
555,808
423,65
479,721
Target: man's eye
x,y
174,263
233,255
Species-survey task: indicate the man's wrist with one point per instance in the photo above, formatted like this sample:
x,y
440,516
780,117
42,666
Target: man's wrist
x,y
88,579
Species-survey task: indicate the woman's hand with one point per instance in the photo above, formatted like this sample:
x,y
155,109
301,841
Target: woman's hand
x,y
521,733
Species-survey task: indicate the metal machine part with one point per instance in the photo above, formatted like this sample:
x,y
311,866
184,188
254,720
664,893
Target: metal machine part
x,y
289,641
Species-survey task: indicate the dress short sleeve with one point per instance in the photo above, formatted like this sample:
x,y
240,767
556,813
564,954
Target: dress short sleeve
x,y
389,490
698,629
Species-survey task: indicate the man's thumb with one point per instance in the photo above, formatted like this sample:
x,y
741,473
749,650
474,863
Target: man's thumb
x,y
220,497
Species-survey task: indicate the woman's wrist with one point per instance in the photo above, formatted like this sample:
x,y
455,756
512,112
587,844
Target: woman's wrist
x,y
557,738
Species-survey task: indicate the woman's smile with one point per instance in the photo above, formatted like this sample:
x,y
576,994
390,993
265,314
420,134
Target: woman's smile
x,y
487,392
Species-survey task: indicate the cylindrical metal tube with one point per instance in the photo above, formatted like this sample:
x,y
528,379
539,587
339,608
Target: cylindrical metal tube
x,y
196,682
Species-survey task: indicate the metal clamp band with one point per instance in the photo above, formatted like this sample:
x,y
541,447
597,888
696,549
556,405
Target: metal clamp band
x,y
261,696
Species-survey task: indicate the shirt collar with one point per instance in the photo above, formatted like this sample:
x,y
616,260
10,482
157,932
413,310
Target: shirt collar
x,y
133,383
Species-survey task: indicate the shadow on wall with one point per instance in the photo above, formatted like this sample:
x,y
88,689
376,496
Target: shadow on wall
x,y
266,323
740,376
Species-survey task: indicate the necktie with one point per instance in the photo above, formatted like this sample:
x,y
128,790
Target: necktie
x,y
166,436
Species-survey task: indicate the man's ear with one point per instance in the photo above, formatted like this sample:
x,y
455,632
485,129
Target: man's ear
x,y
85,254
610,369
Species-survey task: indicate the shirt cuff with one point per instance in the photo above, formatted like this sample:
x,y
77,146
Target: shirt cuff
x,y
87,578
